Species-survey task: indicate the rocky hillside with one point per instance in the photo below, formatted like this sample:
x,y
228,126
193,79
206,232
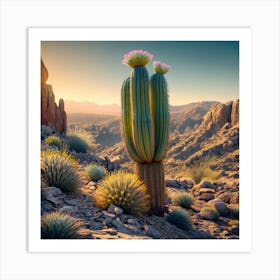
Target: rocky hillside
x,y
205,132
216,138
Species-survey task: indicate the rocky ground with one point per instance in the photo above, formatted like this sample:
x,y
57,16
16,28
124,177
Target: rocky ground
x,y
112,223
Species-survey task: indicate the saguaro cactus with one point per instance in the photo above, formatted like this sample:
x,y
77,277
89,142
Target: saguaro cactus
x,y
145,120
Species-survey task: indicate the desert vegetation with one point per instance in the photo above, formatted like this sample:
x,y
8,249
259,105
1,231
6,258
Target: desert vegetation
x,y
167,173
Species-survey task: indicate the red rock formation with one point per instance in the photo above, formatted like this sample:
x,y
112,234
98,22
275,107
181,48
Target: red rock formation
x,y
51,114
235,112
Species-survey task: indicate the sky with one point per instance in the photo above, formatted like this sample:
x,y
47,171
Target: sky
x,y
92,71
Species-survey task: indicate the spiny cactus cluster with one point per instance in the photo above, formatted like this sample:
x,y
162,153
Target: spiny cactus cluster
x,y
124,190
95,172
56,225
58,169
145,119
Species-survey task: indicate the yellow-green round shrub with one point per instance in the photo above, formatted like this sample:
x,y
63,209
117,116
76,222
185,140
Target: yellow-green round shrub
x,y
58,169
56,225
95,172
54,140
124,190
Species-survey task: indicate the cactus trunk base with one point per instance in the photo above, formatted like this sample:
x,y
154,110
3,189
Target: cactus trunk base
x,y
152,174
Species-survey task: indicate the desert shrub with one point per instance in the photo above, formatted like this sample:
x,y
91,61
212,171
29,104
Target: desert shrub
x,y
79,140
210,213
124,190
201,170
184,200
54,140
58,169
95,172
234,212
56,225
180,218
77,144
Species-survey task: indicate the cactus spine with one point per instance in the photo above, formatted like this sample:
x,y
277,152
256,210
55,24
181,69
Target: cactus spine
x,y
145,119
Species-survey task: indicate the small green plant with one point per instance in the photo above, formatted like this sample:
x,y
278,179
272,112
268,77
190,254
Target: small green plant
x,y
201,170
209,213
180,218
184,200
77,144
56,225
124,190
58,169
54,140
234,212
95,172
79,140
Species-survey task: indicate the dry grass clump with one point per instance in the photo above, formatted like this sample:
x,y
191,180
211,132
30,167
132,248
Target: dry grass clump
x,y
58,169
56,225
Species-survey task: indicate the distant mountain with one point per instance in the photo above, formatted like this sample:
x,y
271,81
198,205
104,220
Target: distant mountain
x,y
72,107
185,117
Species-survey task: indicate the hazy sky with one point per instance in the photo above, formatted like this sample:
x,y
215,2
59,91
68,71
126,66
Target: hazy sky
x,y
93,71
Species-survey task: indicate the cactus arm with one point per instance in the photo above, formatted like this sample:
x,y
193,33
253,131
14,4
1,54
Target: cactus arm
x,y
159,107
126,120
143,134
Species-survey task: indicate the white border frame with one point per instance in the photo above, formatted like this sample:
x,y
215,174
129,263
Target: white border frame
x,y
243,35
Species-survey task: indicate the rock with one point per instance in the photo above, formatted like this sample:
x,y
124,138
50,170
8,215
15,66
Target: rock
x,y
133,228
96,226
235,112
53,191
68,209
173,184
152,231
120,227
52,194
208,215
107,214
51,114
205,190
115,210
206,196
207,185
71,202
132,221
225,196
46,206
220,206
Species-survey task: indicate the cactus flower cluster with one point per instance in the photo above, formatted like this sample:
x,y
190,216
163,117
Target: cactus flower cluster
x,y
145,118
137,58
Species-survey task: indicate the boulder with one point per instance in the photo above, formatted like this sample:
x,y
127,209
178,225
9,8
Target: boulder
x,y
152,231
115,210
206,196
220,206
207,185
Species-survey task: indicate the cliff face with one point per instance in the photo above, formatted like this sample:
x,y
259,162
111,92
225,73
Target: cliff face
x,y
219,115
51,114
